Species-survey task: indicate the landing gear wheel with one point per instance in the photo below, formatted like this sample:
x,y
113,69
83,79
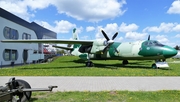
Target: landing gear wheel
x,y
89,64
23,96
125,62
154,66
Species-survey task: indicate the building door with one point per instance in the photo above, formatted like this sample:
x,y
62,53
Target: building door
x,y
25,55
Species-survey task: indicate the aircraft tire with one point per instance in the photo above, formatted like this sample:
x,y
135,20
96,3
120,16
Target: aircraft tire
x,y
24,96
125,62
154,66
89,64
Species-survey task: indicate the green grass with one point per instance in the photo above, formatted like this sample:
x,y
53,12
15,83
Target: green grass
x,y
73,66
107,96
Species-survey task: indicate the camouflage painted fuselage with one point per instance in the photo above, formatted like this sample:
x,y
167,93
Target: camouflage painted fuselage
x,y
140,50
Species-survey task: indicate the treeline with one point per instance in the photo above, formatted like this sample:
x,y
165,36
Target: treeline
x,y
177,47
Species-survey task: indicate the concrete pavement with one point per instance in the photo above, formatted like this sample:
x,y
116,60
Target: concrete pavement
x,y
83,83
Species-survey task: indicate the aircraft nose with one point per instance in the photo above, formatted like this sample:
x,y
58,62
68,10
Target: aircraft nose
x,y
169,52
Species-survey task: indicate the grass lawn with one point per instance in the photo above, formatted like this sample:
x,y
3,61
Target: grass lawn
x,y
73,66
107,96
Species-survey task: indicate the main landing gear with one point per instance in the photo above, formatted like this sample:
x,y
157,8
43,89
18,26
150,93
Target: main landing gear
x,y
89,63
124,62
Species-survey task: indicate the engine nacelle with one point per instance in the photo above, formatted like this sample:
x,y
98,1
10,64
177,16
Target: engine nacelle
x,y
98,46
100,43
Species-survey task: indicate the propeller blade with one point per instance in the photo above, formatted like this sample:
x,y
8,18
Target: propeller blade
x,y
149,37
115,35
116,50
105,35
105,49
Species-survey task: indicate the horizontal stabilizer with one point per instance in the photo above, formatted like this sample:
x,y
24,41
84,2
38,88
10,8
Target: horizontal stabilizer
x,y
62,47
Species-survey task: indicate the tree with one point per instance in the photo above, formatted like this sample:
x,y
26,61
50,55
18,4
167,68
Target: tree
x,y
61,52
177,47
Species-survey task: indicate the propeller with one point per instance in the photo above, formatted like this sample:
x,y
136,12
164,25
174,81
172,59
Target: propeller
x,y
109,41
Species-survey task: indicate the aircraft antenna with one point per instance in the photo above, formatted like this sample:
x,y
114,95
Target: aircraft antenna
x,y
149,37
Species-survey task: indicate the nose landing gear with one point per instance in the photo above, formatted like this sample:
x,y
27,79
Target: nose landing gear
x,y
160,64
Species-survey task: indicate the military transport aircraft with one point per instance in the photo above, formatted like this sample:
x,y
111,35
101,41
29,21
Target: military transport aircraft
x,y
110,50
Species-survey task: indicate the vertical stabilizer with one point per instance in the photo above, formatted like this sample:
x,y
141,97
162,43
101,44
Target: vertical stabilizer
x,y
75,37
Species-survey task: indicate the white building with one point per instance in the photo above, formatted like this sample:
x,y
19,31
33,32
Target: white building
x,y
13,27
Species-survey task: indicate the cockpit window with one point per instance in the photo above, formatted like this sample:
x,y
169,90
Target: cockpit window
x,y
146,43
157,43
153,43
150,43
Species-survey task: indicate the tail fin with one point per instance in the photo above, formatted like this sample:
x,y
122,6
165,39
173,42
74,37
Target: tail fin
x,y
75,37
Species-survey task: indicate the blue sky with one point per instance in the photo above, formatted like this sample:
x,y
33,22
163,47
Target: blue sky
x,y
132,19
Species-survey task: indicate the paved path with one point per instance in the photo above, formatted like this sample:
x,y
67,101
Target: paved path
x,y
102,83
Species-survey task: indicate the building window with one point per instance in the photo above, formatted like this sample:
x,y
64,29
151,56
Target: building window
x,y
6,55
14,55
26,36
10,55
10,33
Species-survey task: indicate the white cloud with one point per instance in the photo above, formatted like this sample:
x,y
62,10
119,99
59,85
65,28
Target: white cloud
x,y
162,38
79,29
175,7
37,4
84,37
60,26
119,39
90,28
177,36
135,35
110,30
20,7
63,26
16,7
164,27
128,28
90,10
176,28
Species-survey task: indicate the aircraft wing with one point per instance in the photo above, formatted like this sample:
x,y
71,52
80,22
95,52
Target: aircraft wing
x,y
52,41
62,47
